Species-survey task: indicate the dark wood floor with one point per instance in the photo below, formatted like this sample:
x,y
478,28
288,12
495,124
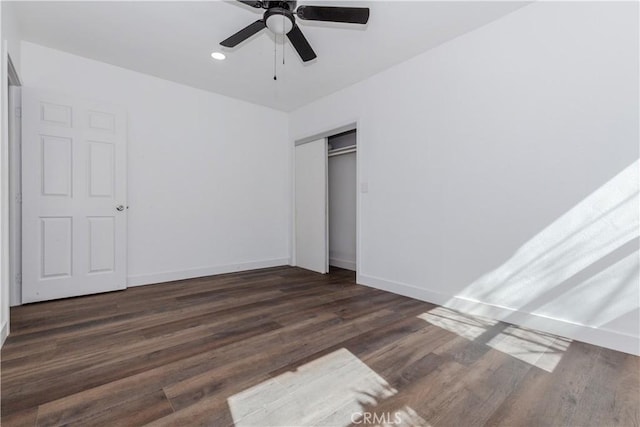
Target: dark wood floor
x,y
285,344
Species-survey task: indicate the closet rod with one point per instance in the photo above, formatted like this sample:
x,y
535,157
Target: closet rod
x,y
345,150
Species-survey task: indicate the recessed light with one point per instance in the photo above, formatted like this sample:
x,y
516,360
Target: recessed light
x,y
218,55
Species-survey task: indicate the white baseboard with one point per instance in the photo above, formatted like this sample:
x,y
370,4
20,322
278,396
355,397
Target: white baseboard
x,y
4,333
169,276
341,263
598,336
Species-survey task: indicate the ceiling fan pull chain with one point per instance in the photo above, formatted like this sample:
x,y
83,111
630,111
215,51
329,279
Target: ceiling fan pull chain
x,y
275,46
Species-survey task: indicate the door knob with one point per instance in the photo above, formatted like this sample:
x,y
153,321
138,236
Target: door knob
x,y
120,208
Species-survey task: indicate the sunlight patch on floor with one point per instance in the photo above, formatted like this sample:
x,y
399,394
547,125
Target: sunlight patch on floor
x,y
536,348
332,390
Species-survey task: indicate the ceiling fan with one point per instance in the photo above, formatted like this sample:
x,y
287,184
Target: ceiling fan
x,y
280,18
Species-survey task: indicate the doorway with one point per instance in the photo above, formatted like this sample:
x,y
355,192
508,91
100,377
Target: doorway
x,y
325,207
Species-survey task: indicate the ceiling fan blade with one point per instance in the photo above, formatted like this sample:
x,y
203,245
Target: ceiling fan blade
x,y
243,34
253,3
351,15
300,44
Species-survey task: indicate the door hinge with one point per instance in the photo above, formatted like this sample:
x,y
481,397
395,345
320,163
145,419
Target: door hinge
x,y
19,278
19,112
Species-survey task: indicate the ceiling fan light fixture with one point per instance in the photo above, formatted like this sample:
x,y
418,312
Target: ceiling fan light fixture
x,y
279,23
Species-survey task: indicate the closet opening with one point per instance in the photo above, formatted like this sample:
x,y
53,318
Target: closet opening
x,y
342,200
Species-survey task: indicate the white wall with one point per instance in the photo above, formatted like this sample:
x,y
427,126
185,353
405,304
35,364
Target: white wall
x,y
208,176
11,32
342,210
502,171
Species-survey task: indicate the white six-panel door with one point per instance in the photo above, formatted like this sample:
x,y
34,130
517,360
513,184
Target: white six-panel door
x,y
312,248
74,211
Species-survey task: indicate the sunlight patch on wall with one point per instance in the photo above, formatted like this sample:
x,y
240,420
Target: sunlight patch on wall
x,y
576,261
332,390
604,296
535,348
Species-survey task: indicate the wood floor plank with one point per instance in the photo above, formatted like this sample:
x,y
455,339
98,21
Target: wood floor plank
x,y
138,410
177,354
217,415
25,418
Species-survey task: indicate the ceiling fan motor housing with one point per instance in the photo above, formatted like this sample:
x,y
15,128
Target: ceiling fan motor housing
x,y
279,20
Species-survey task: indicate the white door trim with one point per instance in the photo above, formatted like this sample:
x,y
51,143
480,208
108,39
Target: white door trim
x,y
15,195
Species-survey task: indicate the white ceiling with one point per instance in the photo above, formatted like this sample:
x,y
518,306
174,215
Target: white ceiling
x,y
174,40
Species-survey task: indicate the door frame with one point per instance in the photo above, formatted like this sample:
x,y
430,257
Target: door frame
x,y
329,131
14,119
